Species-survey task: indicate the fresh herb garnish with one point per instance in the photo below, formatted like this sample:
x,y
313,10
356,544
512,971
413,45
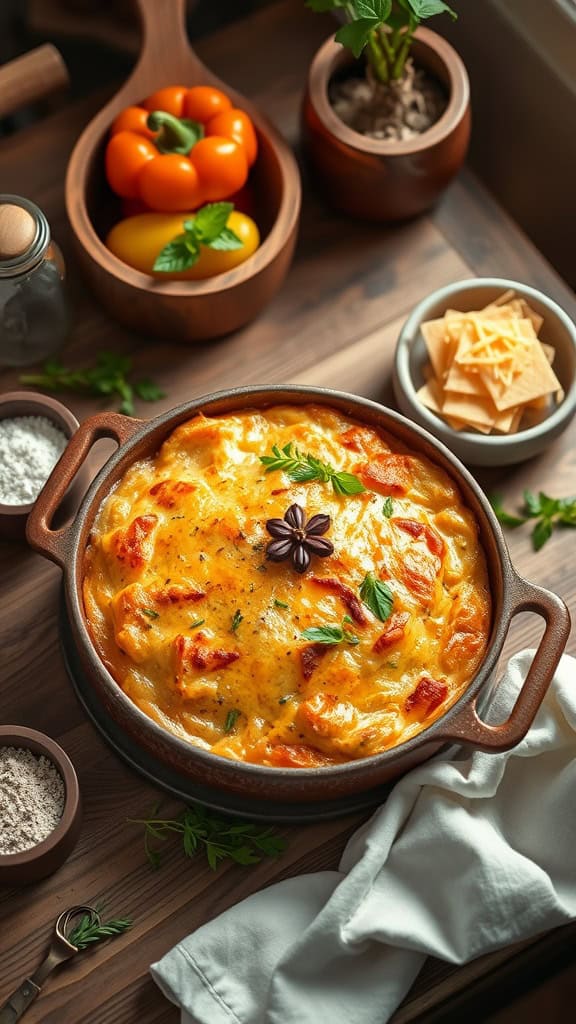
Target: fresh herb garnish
x,y
196,623
279,604
231,719
90,930
109,376
301,467
548,513
388,508
237,618
206,228
150,613
219,838
330,635
285,698
377,596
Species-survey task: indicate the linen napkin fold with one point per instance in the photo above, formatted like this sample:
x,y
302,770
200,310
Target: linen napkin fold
x,y
466,855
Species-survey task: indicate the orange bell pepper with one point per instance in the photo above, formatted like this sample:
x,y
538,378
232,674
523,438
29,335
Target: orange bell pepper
x,y
180,149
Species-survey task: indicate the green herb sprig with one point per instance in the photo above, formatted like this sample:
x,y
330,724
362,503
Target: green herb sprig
x,y
377,596
331,634
301,467
220,839
89,930
206,228
383,28
231,719
547,512
107,378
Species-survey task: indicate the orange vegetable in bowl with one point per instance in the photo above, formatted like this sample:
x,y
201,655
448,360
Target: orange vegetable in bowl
x,y
140,240
180,149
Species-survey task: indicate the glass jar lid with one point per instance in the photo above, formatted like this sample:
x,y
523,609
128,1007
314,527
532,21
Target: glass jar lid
x,y
24,235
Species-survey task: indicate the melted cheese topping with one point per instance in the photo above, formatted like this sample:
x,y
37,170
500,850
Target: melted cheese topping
x,y
204,633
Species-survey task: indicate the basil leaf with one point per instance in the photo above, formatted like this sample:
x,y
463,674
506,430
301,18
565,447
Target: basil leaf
x,y
347,483
379,9
178,255
355,34
428,8
324,634
211,220
226,241
377,596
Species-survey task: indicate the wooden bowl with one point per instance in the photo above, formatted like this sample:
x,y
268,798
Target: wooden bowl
x,y
46,857
180,310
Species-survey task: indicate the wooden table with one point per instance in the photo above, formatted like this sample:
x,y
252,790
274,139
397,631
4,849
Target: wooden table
x,y
334,323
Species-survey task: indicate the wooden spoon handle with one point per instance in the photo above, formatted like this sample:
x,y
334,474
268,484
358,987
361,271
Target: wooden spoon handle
x,y
166,56
31,77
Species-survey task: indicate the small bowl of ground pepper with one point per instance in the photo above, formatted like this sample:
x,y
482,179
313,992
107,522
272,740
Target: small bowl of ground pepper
x,y
34,431
40,808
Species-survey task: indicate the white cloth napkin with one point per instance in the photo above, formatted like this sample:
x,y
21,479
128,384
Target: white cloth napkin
x,y
464,857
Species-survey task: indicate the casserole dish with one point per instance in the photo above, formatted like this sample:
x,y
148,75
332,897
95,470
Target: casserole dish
x,y
462,723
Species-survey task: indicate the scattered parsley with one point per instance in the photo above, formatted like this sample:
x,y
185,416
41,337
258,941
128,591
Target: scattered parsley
x,y
231,719
196,623
150,613
377,596
236,620
388,508
280,604
548,513
285,698
330,634
219,838
108,376
301,467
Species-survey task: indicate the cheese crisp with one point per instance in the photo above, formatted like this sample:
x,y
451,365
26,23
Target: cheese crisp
x,y
280,637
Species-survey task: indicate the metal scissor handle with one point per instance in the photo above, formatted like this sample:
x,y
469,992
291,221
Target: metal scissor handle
x,y
60,950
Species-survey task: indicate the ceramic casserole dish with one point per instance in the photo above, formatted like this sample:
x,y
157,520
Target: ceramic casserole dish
x,y
463,722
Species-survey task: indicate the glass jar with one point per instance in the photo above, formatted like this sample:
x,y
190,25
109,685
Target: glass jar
x,y
34,320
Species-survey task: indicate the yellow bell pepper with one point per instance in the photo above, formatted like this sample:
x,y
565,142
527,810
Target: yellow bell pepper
x,y
139,240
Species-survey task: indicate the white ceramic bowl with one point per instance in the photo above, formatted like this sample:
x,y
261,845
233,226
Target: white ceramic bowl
x,y
410,357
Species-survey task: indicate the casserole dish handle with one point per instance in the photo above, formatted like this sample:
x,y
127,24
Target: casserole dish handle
x,y
467,727
55,543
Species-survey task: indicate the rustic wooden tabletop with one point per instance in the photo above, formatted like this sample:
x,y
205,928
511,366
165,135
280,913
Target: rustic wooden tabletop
x,y
334,323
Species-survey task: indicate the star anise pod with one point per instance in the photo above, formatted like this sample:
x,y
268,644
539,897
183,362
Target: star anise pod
x,y
298,539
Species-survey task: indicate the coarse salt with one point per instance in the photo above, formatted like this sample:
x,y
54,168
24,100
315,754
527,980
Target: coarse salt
x,y
30,447
32,796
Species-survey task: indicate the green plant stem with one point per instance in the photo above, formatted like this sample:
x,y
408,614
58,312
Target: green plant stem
x,y
377,59
402,55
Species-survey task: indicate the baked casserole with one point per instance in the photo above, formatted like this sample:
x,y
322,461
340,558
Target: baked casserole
x,y
288,587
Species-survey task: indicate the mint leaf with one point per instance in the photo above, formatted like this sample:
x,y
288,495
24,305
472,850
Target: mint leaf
x,y
226,241
532,503
346,483
210,221
148,391
504,517
324,634
541,533
377,596
356,34
180,254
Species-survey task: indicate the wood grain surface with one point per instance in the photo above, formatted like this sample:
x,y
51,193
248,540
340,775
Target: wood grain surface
x,y
334,323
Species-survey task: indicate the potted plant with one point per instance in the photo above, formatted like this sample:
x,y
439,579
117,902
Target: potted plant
x,y
386,115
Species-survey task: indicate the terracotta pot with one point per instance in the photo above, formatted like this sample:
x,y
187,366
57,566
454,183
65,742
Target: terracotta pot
x,y
382,180
461,723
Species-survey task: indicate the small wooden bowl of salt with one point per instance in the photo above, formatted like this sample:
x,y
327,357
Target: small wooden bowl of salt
x,y
34,431
40,807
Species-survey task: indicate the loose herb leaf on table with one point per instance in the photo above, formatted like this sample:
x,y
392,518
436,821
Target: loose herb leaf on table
x,y
547,512
218,838
89,931
301,467
108,377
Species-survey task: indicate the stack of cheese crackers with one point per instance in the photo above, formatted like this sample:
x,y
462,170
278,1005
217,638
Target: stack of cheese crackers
x,y
488,370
